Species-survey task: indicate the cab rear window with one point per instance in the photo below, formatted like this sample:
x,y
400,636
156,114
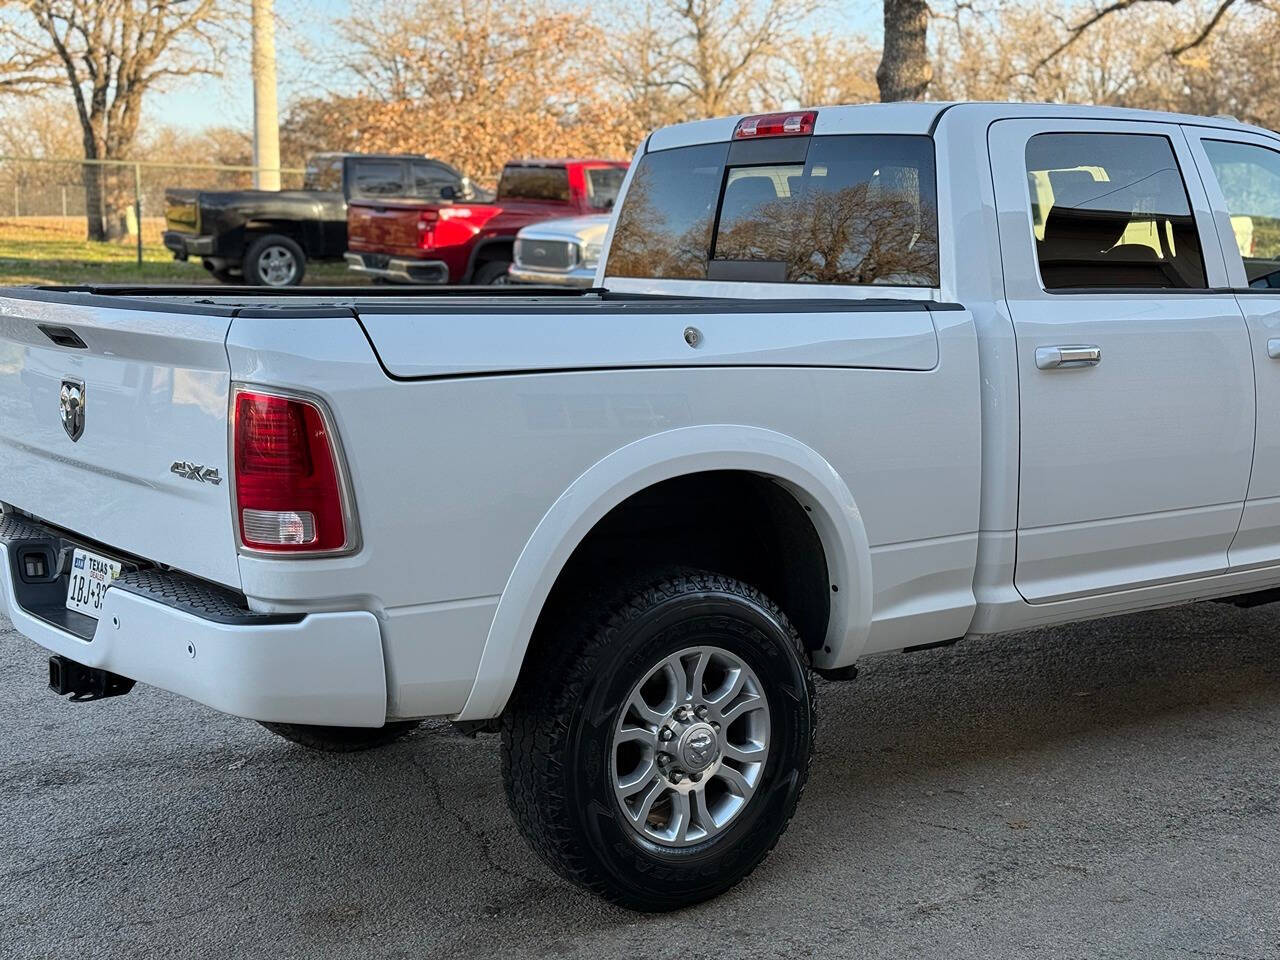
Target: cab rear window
x,y
858,209
534,183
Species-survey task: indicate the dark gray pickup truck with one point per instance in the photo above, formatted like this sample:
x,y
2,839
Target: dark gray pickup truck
x,y
266,237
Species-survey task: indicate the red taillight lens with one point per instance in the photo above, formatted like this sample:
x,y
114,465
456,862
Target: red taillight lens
x,y
798,124
288,491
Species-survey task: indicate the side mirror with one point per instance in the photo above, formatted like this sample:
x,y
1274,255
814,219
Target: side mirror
x,y
448,192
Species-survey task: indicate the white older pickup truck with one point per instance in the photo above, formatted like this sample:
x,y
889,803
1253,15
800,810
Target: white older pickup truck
x,y
853,380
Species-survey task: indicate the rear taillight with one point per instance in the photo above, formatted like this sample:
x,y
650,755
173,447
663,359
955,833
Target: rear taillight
x,y
289,489
798,124
427,229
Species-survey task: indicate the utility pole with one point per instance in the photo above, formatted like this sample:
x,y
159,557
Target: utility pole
x,y
266,119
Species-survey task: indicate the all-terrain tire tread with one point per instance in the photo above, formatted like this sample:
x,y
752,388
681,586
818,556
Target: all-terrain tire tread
x,y
536,728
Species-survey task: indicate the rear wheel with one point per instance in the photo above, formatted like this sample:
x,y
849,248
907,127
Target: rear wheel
x,y
342,739
492,273
655,751
274,260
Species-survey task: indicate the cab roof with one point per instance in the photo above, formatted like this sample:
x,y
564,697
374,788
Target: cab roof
x,y
924,117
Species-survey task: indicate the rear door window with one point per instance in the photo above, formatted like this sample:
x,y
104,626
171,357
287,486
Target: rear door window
x,y
323,173
603,184
1111,210
379,178
534,183
1249,177
855,210
429,179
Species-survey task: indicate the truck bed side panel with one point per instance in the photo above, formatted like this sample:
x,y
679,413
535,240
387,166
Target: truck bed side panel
x,y
452,475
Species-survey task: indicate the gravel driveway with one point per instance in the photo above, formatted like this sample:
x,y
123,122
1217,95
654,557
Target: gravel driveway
x,y
1104,790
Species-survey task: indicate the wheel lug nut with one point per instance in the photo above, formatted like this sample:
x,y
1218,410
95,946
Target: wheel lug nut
x,y
676,776
665,758
714,725
695,777
702,713
665,734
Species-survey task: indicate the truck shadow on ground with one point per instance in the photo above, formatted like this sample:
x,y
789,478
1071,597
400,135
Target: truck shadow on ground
x,y
922,721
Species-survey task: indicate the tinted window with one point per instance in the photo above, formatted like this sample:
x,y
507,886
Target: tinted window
x,y
430,178
534,183
1111,210
379,178
858,210
664,225
1250,180
603,184
323,173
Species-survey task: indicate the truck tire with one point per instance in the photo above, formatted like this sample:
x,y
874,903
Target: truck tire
x,y
655,750
492,272
274,260
342,739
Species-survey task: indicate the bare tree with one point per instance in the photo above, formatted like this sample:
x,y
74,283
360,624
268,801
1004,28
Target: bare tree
x,y
475,82
905,66
110,53
684,59
824,68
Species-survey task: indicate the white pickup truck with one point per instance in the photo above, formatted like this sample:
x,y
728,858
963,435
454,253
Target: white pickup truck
x,y
853,380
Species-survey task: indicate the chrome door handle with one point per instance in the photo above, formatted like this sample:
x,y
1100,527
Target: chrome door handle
x,y
1273,348
1076,355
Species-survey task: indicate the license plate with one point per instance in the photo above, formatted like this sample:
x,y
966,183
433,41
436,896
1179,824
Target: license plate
x,y
91,574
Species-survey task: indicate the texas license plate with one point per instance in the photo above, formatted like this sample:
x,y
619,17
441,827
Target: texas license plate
x,y
91,574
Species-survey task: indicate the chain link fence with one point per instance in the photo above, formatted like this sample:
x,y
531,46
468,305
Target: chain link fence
x,y
126,197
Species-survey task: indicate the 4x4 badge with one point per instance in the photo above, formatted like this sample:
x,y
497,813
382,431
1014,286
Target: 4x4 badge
x,y
195,471
71,403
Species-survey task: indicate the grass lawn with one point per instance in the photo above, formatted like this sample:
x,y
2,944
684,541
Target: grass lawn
x,y
52,250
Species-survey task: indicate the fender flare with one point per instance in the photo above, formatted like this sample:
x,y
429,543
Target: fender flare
x,y
663,456
481,246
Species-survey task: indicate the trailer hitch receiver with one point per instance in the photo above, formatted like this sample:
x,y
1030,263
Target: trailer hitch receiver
x,y
66,677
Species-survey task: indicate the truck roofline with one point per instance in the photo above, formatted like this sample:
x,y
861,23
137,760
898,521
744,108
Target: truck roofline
x,y
923,118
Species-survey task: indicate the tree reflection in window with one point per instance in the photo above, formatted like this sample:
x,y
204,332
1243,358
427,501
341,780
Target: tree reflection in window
x,y
868,232
664,225
861,209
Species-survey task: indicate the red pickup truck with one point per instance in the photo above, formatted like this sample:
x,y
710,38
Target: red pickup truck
x,y
451,240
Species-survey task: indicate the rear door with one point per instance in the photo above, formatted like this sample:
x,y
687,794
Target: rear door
x,y
378,216
143,468
1241,172
1135,379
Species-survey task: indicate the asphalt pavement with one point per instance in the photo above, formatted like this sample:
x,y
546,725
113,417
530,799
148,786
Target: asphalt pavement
x,y
1103,790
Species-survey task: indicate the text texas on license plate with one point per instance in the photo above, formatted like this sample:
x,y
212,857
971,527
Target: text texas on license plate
x,y
91,574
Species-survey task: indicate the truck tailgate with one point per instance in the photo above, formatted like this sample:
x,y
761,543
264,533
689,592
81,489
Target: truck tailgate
x,y
155,386
182,210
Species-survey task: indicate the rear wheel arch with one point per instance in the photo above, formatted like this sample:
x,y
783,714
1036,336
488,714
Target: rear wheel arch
x,y
797,474
489,250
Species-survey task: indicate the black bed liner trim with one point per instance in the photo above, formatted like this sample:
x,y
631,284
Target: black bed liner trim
x,y
428,300
680,306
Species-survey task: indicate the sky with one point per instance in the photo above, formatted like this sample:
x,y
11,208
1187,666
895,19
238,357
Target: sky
x,y
303,30
228,100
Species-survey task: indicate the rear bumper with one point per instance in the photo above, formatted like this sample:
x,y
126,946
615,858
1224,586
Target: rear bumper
x,y
398,270
577,277
184,245
190,638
